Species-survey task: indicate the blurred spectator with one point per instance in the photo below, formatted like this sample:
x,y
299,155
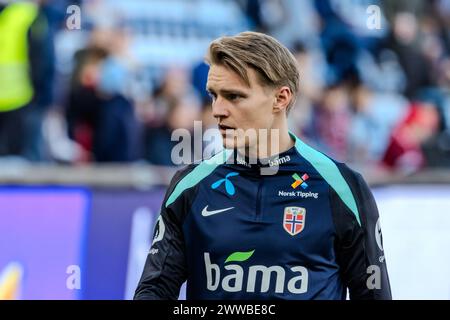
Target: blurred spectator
x,y
42,57
26,76
175,86
300,22
175,105
392,7
312,80
345,35
330,122
287,20
384,65
265,15
118,132
437,149
375,114
83,105
181,114
404,42
404,151
100,116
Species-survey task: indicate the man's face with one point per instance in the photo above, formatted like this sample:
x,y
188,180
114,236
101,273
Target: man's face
x,y
238,106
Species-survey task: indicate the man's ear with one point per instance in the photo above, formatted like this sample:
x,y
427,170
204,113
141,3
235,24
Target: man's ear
x,y
283,97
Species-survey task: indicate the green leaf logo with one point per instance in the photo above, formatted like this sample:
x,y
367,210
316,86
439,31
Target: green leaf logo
x,y
239,256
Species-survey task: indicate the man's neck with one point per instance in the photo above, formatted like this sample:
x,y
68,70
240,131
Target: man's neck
x,y
277,141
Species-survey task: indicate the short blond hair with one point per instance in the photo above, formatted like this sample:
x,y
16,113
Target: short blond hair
x,y
273,62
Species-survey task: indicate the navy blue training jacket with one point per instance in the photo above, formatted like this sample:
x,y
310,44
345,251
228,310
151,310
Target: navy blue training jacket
x,y
297,226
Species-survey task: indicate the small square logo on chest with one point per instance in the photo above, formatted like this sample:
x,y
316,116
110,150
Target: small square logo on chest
x,y
294,220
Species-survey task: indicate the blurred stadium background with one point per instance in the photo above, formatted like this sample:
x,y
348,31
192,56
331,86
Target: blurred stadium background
x,y
85,150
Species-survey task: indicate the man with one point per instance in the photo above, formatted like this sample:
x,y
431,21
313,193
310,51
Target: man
x,y
278,221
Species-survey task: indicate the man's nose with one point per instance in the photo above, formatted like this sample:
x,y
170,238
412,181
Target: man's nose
x,y
219,109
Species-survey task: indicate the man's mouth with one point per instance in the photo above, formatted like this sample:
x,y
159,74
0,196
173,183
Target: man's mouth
x,y
223,128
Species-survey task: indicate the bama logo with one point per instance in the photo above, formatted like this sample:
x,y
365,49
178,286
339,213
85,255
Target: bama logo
x,y
234,275
278,161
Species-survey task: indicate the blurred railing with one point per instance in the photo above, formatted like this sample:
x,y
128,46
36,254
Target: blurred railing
x,y
144,176
113,176
377,177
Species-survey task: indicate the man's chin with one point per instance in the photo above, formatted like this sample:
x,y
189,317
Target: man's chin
x,y
234,145
229,144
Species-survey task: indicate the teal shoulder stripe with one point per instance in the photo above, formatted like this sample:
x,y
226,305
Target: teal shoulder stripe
x,y
330,172
203,170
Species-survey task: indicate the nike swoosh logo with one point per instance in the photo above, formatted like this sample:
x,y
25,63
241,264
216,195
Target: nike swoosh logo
x,y
207,213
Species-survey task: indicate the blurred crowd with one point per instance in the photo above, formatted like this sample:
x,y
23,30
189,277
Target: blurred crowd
x,y
374,96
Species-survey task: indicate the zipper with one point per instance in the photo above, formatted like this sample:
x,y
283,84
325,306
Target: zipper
x,y
258,200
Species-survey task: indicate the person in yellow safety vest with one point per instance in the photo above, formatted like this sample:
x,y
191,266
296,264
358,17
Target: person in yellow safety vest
x,y
16,88
27,60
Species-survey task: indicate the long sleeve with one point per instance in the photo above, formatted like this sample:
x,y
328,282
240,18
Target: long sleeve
x,y
165,268
358,245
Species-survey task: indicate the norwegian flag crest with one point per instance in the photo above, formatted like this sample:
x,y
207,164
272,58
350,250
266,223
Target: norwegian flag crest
x,y
294,220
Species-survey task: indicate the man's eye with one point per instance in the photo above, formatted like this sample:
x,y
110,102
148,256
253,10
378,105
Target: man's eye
x,y
233,96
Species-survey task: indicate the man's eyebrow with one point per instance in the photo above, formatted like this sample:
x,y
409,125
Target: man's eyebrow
x,y
233,91
227,91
